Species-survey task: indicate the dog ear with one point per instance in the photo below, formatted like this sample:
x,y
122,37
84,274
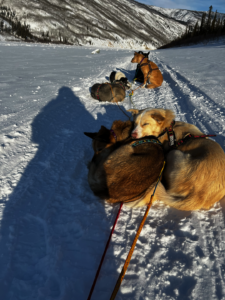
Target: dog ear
x,y
102,136
91,135
158,118
133,111
136,111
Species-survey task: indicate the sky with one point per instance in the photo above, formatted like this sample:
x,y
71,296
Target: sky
x,y
199,5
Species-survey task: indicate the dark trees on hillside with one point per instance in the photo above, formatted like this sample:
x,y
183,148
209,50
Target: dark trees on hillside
x,y
23,30
209,28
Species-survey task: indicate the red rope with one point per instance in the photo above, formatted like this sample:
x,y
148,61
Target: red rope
x,y
103,256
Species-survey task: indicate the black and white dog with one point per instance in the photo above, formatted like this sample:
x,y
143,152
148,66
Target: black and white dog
x,y
119,76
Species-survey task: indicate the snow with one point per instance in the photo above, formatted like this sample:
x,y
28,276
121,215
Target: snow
x,y
104,23
53,229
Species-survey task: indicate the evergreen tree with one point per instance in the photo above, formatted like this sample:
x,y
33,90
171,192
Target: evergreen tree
x,y
219,26
202,26
213,27
195,31
223,27
208,24
2,25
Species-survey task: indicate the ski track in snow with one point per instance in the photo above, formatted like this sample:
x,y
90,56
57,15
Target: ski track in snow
x,y
53,229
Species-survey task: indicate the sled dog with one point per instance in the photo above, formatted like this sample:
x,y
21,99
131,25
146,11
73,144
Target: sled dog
x,y
123,169
110,92
194,177
152,76
114,76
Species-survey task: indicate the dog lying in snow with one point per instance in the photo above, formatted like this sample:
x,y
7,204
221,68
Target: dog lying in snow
x,y
110,92
123,169
152,76
194,176
114,76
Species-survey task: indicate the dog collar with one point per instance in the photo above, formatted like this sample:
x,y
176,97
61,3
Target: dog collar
x,y
113,133
141,61
150,140
171,134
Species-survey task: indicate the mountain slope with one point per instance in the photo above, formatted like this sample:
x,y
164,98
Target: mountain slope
x,y
189,17
123,23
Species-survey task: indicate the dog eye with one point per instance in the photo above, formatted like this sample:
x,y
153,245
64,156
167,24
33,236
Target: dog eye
x,y
145,124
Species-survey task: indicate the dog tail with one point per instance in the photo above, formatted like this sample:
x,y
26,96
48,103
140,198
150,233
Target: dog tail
x,y
176,201
162,195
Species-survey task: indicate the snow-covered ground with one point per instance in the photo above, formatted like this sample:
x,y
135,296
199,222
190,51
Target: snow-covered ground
x,y
53,229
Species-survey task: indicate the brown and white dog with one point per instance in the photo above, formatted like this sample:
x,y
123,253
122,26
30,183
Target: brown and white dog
x,y
194,176
122,171
152,76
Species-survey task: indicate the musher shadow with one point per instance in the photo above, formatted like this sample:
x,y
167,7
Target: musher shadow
x,y
50,219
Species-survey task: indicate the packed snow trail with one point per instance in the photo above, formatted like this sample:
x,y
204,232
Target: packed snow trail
x,y
53,229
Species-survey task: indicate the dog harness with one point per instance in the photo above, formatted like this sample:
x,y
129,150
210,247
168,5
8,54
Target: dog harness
x,y
150,69
119,83
147,64
97,92
172,138
171,134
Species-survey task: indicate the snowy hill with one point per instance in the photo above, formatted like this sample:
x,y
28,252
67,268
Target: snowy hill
x,y
189,17
53,230
118,23
124,24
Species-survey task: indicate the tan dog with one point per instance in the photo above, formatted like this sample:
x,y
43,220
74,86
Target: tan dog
x,y
121,171
194,176
152,76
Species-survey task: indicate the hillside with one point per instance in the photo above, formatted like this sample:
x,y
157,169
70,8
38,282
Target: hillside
x,y
189,17
121,23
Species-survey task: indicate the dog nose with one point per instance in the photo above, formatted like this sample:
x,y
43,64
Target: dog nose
x,y
134,135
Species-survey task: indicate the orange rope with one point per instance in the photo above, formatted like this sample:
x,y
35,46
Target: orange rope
x,y
127,262
138,87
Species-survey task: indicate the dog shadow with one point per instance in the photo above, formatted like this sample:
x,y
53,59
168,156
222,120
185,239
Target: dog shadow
x,y
51,217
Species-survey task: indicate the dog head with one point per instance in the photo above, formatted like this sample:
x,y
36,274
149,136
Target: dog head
x,y
138,56
122,77
151,121
105,138
125,82
94,89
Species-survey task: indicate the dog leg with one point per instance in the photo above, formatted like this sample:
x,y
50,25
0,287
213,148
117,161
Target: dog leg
x,y
144,83
151,86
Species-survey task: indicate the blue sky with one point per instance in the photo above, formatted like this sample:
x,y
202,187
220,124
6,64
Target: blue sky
x,y
199,5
